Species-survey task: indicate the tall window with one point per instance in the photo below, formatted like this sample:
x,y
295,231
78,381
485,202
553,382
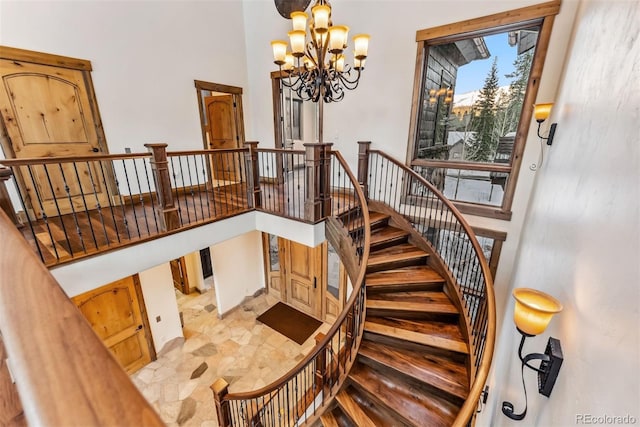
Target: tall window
x,y
476,85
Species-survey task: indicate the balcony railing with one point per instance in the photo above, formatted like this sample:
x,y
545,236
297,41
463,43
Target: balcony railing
x,y
73,207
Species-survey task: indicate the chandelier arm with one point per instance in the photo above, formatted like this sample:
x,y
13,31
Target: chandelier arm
x,y
349,84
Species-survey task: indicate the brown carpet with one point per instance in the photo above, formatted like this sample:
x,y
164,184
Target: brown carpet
x,y
290,322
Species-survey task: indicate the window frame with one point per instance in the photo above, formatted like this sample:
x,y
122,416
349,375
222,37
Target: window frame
x,y
542,15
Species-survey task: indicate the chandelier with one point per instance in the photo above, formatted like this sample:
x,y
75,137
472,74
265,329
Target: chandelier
x,y
316,70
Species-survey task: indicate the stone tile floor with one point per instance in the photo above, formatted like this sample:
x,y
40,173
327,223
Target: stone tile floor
x,y
238,348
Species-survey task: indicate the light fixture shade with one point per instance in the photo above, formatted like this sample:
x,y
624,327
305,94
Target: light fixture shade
x,y
297,39
299,20
337,38
321,13
279,51
340,63
288,65
541,111
361,45
534,310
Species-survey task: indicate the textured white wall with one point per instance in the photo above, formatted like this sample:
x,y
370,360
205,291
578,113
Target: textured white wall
x,y
160,300
238,269
145,56
581,240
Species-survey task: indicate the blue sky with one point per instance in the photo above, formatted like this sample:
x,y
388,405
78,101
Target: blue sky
x,y
471,76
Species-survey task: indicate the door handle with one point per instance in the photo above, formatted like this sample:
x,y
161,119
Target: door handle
x,y
139,328
95,150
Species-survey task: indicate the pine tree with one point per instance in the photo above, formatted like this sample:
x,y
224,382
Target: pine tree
x,y
482,145
517,90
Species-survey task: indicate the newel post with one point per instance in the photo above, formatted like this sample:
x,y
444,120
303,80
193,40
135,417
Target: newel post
x,y
321,364
363,166
160,166
220,389
5,200
317,173
253,175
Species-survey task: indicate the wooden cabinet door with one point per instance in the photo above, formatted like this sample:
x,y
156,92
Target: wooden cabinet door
x,y
116,317
303,277
47,112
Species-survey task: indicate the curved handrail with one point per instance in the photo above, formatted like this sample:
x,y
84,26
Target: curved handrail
x,y
483,361
63,373
357,296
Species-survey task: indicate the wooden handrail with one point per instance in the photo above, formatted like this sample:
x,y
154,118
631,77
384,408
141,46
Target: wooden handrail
x,y
63,372
341,318
469,407
68,159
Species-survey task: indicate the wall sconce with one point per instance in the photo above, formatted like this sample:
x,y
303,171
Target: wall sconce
x,y
541,113
532,313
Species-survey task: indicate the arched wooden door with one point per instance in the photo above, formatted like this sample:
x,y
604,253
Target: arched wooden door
x,y
47,112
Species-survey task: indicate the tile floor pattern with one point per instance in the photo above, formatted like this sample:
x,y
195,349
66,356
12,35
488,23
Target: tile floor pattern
x,y
246,353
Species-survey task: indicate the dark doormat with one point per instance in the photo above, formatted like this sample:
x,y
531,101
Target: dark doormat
x,y
290,322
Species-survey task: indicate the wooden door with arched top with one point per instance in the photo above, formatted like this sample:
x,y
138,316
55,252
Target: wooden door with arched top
x,y
49,111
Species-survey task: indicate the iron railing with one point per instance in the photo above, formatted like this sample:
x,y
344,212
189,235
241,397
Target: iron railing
x,y
440,223
282,182
298,396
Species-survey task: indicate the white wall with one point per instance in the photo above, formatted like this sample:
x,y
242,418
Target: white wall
x,y
145,57
581,240
238,269
160,301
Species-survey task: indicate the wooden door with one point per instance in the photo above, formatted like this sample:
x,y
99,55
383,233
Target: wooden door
x,y
46,111
222,133
303,276
117,316
179,274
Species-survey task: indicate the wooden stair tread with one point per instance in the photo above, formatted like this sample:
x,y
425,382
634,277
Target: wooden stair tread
x,y
335,418
416,405
420,301
437,371
376,219
402,252
380,415
353,410
387,234
407,275
442,335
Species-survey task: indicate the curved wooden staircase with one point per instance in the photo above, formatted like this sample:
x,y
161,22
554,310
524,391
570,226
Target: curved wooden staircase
x,y
412,364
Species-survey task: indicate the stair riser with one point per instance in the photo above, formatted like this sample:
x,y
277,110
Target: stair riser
x,y
387,243
400,343
404,287
397,264
457,400
408,314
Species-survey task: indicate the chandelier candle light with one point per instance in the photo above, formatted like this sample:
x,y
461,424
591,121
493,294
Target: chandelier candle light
x,y
316,70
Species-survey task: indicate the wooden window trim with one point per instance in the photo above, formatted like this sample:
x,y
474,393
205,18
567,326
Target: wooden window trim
x,y
542,14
